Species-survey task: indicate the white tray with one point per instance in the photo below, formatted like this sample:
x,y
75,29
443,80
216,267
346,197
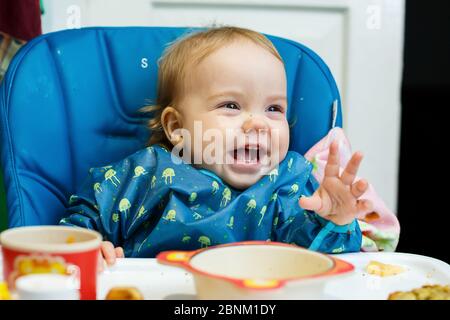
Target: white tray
x,y
163,282
154,280
420,270
157,281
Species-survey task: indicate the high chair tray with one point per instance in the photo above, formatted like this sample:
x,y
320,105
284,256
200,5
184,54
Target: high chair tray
x,y
157,281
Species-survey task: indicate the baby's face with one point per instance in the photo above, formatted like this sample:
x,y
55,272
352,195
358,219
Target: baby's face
x,y
240,91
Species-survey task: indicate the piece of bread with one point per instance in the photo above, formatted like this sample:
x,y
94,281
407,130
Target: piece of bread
x,y
382,269
124,293
426,292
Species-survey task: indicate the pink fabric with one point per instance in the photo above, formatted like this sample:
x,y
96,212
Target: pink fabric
x,y
380,226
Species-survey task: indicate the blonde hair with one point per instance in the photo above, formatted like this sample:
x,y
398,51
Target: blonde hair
x,y
184,53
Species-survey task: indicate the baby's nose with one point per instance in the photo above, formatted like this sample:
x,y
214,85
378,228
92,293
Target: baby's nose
x,y
255,123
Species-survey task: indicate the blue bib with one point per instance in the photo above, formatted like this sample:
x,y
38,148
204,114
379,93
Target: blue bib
x,y
147,204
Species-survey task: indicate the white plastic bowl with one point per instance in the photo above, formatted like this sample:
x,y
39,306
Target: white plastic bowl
x,y
258,270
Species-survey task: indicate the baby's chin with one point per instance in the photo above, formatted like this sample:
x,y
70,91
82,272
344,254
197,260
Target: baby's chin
x,y
241,180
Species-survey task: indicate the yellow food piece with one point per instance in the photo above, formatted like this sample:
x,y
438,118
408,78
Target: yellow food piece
x,y
4,292
382,269
124,293
426,292
70,239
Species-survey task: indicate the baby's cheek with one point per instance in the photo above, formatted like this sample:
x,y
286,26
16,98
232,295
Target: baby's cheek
x,y
280,144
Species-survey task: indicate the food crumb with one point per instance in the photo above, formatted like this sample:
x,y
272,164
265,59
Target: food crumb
x,y
70,239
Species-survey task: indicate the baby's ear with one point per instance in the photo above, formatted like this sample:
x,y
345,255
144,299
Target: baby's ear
x,y
171,121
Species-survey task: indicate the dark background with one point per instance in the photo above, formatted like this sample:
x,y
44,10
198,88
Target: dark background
x,y
424,197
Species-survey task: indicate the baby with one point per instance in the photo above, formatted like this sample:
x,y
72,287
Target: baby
x,y
217,168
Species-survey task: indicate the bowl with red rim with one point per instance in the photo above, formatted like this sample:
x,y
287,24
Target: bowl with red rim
x,y
63,250
258,270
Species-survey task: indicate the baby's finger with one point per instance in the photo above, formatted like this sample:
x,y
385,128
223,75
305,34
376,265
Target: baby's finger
x,y
313,203
364,205
101,263
351,169
119,252
108,252
359,187
332,167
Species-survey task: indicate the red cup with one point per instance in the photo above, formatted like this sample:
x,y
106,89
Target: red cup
x,y
52,249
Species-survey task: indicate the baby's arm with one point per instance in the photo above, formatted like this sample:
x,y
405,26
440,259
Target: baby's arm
x,y
309,230
324,218
84,211
379,225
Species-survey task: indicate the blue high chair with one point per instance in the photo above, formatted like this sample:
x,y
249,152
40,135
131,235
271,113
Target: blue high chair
x,y
70,101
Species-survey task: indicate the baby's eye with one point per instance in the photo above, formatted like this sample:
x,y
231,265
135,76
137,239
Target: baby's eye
x,y
275,108
230,105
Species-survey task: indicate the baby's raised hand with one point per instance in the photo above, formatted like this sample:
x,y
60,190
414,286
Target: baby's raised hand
x,y
337,198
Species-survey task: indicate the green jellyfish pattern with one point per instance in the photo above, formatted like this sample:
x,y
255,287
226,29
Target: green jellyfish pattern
x,y
110,175
204,241
290,164
215,187
115,217
262,213
171,215
153,182
226,197
97,187
274,196
251,205
168,174
293,190
273,175
275,221
72,199
186,239
139,171
192,197
197,216
231,222
124,206
141,212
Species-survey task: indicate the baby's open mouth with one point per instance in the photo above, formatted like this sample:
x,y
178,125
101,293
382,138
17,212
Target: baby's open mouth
x,y
249,154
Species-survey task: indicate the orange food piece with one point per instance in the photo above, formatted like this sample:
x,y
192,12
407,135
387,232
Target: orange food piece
x,y
70,239
124,293
372,216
